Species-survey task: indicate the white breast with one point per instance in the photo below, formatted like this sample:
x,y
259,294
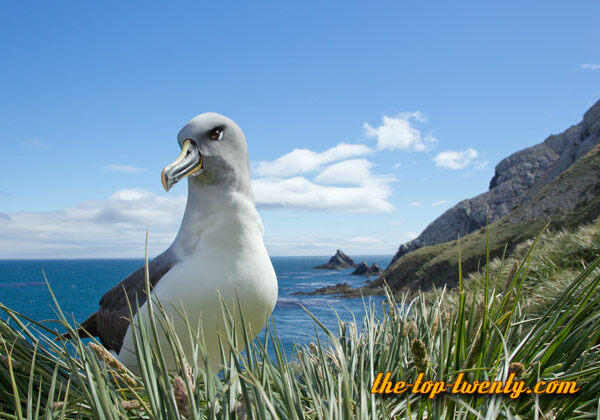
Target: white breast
x,y
222,256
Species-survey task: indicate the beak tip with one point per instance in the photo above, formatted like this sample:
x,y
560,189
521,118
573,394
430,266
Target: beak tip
x,y
163,179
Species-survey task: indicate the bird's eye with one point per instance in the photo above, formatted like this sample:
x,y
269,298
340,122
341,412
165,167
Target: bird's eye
x,y
216,134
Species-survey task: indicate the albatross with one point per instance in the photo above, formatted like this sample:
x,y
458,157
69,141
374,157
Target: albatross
x,y
217,254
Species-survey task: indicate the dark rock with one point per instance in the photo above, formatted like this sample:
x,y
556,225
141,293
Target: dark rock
x,y
517,179
339,288
343,290
338,262
375,268
364,270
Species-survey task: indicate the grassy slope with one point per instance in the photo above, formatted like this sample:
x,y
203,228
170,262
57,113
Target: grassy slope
x,y
438,264
556,262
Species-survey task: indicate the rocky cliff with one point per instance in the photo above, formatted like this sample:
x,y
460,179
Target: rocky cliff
x,y
572,199
516,180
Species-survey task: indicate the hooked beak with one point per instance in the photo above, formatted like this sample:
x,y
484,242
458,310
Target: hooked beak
x,y
189,162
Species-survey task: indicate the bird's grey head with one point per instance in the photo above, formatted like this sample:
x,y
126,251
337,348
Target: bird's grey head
x,y
213,151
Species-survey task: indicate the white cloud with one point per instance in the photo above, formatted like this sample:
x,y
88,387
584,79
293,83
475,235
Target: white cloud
x,y
300,161
315,245
114,227
452,159
279,186
399,133
591,66
439,203
415,204
300,193
410,235
352,171
124,168
364,240
34,144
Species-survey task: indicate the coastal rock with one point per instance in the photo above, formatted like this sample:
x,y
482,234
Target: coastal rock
x,y
338,262
344,290
517,178
340,288
363,269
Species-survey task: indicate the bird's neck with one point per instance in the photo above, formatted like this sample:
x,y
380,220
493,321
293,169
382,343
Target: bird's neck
x,y
214,213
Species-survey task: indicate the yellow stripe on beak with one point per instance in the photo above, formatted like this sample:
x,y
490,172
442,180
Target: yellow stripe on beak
x,y
180,168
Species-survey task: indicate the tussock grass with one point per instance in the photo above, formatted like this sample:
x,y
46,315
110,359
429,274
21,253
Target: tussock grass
x,y
559,258
485,328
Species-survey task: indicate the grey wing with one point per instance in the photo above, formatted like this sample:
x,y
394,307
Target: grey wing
x,y
111,321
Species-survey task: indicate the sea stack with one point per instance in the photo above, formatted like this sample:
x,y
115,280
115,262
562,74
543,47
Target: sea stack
x,y
363,269
338,262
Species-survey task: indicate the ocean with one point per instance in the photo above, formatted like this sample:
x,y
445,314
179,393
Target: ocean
x,y
79,284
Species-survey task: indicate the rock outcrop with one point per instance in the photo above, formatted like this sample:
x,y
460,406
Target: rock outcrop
x,y
338,289
569,201
517,178
338,262
363,269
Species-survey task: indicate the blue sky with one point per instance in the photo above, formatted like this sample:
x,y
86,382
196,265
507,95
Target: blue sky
x,y
365,121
